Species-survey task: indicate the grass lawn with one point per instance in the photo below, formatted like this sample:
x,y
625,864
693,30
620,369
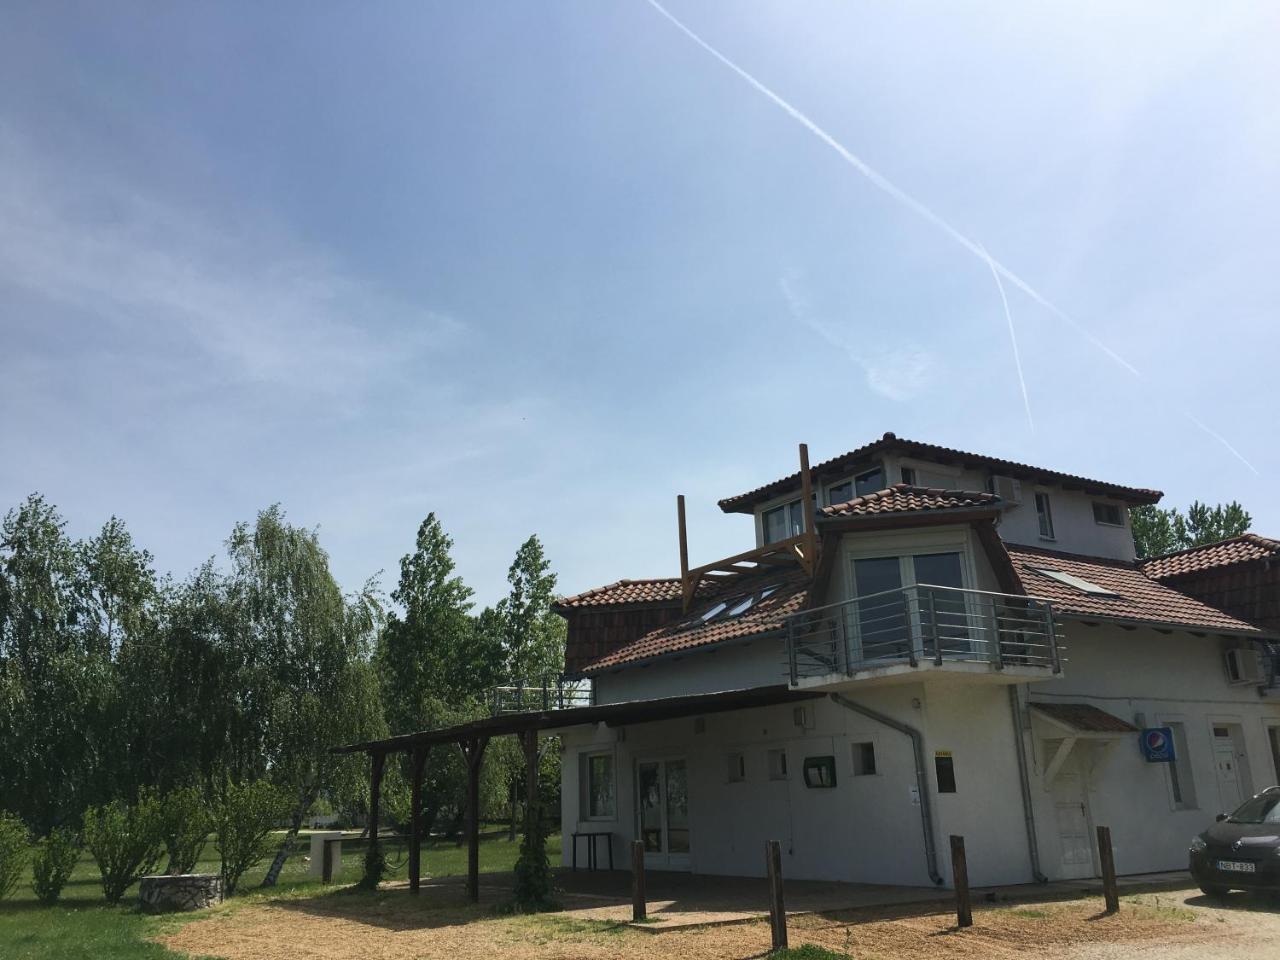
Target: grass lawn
x,y
83,925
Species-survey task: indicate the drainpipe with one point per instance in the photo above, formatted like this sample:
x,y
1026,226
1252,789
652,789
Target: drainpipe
x,y
922,784
1024,781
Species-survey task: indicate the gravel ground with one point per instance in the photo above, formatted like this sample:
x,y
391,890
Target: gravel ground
x,y
391,926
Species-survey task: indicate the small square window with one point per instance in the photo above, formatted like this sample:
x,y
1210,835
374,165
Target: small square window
x,y
909,475
864,759
736,767
777,764
870,482
1108,514
840,493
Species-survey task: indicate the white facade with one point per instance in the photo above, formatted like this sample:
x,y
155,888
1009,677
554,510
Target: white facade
x,y
868,827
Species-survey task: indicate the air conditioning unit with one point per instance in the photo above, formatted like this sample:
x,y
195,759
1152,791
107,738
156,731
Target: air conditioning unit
x,y
1007,489
1244,666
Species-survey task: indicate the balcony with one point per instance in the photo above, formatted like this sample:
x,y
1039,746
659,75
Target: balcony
x,y
522,697
924,631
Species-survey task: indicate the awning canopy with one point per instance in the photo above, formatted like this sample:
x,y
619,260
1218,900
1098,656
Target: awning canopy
x,y
1083,719
613,714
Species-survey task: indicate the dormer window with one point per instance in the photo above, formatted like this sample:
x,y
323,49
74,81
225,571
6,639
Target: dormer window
x,y
869,482
782,523
1044,516
1107,514
909,476
840,493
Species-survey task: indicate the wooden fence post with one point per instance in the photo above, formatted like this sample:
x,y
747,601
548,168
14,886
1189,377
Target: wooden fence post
x,y
326,861
639,909
960,878
777,909
1108,863
415,818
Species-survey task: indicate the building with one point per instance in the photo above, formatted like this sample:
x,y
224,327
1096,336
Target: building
x,y
922,642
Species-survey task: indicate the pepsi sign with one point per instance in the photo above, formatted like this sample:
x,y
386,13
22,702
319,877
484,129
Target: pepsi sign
x,y
1157,745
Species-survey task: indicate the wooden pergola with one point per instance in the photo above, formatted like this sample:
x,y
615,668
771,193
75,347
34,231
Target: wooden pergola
x,y
472,738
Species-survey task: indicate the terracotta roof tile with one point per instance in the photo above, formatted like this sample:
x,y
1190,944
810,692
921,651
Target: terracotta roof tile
x,y
1225,553
1132,595
1084,717
789,594
629,592
743,502
904,498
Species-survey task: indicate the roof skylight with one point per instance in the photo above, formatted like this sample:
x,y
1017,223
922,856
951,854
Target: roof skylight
x,y
723,610
1071,580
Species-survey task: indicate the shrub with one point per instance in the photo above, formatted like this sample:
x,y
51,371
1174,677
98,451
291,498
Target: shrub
x,y
185,824
243,817
533,889
55,858
127,841
15,847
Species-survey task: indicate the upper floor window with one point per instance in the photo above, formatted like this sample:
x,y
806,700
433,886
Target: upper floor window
x,y
909,475
783,522
1108,514
869,482
1044,515
840,493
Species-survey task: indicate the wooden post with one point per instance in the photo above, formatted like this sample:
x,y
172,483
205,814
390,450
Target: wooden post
x,y
415,818
1108,863
777,909
473,752
639,909
326,861
529,740
686,592
377,763
960,878
810,514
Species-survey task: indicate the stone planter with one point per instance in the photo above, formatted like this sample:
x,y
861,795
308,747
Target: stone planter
x,y
187,891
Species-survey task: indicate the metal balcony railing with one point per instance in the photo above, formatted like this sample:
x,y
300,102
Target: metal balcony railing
x,y
539,695
919,624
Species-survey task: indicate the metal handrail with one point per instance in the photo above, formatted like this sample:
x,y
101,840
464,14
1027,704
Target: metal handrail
x,y
922,621
558,694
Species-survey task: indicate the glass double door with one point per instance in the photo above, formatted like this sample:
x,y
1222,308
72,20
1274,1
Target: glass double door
x,y
890,622
662,812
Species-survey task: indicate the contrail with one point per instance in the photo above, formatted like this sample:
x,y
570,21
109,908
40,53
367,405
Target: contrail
x,y
1013,338
885,185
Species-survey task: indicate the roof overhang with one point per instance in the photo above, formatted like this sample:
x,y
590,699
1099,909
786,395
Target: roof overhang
x,y
1131,623
612,714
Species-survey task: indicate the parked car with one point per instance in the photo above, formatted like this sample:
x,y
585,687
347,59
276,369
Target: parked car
x,y
1242,850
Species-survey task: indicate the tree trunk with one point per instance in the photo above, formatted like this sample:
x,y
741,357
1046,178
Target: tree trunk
x,y
286,845
511,831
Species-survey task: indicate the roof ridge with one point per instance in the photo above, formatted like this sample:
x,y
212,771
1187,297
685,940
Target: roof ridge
x,y
1249,535
1069,555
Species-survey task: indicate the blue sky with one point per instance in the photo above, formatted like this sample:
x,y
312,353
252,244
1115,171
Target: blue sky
x,y
541,267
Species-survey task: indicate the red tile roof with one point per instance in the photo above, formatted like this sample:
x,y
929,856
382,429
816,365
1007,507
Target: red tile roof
x,y
764,616
627,593
1136,597
743,502
904,498
1225,553
1084,717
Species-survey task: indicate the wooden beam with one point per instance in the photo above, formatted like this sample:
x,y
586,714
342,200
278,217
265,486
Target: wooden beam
x,y
807,506
1106,860
473,753
1059,758
415,817
960,880
638,906
377,762
777,907
686,592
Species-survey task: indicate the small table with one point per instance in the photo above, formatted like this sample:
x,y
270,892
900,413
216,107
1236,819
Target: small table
x,y
591,837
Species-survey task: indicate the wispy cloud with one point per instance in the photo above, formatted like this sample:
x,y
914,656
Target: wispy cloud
x,y
896,373
254,305
887,186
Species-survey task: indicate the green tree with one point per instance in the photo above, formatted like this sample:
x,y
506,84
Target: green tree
x,y
127,840
533,636
244,814
1157,531
304,668
56,674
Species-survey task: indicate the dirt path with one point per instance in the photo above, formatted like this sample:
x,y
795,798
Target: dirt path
x,y
392,926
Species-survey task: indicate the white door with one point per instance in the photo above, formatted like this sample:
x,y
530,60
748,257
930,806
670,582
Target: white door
x,y
1227,766
662,809
1072,819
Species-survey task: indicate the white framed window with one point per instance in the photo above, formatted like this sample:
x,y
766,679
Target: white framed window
x,y
784,522
735,767
1182,785
777,760
599,790
1044,516
1071,580
839,493
864,758
1108,514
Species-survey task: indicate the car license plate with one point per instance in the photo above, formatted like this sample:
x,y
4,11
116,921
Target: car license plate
x,y
1236,866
